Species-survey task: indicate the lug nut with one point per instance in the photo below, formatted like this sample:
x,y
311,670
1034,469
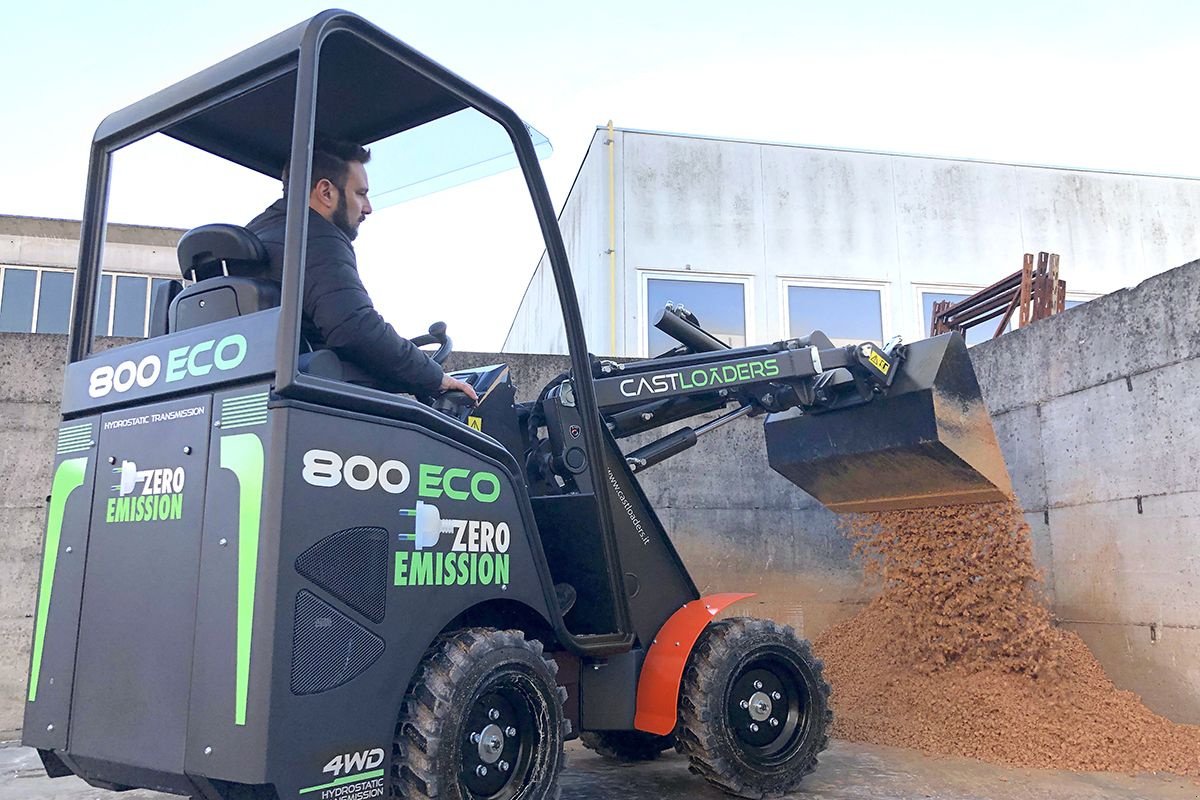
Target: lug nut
x,y
758,684
475,737
510,731
481,770
744,704
493,714
776,696
774,722
504,766
754,727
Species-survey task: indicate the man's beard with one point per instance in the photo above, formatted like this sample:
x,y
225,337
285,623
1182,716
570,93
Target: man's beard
x,y
341,218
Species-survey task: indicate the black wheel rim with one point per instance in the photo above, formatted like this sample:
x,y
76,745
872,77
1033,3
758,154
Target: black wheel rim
x,y
769,707
500,739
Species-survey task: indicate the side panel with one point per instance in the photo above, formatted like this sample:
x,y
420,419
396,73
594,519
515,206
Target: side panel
x,y
139,600
232,662
452,533
56,622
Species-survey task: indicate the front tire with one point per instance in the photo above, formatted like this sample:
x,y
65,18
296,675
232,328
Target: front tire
x,y
482,720
753,708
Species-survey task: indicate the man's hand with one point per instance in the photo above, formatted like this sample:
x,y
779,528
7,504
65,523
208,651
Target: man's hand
x,y
450,384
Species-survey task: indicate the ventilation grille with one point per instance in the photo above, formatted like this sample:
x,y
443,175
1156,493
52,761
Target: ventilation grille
x,y
328,648
352,565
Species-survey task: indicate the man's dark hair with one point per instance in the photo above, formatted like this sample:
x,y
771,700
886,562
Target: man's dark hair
x,y
331,161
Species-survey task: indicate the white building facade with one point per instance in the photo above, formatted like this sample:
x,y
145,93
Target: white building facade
x,y
38,259
769,241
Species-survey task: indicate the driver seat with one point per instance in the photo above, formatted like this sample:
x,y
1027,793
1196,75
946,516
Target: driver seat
x,y
232,277
231,274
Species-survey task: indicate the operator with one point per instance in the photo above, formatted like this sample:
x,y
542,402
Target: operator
x,y
337,312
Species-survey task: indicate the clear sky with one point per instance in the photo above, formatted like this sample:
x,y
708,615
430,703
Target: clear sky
x,y
1106,85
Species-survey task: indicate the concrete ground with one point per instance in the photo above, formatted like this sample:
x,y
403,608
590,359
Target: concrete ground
x,y
847,772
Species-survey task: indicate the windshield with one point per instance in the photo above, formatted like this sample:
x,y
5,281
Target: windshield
x,y
453,235
456,149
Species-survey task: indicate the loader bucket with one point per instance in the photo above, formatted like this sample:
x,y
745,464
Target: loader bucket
x,y
928,442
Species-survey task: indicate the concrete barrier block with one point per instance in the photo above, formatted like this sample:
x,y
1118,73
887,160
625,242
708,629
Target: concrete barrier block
x,y
1162,669
27,443
1122,439
1112,564
1043,553
31,368
1019,432
16,636
1125,333
23,531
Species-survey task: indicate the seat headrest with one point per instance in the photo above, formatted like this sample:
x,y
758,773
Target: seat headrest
x,y
220,249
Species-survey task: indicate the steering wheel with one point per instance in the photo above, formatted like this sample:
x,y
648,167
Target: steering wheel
x,y
437,335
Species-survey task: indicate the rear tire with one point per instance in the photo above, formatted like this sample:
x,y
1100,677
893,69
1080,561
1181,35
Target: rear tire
x,y
627,745
482,720
753,708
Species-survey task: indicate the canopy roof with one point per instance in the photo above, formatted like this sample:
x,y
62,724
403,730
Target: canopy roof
x,y
370,86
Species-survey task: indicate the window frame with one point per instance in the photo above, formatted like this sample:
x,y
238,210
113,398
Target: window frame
x,y
39,269
647,274
882,287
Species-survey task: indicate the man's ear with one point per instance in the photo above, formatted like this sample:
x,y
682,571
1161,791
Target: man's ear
x,y
323,196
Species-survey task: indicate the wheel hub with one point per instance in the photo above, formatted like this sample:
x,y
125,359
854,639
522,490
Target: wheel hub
x,y
498,753
760,707
766,709
491,744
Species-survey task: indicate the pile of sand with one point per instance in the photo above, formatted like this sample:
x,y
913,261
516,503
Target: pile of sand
x,y
959,655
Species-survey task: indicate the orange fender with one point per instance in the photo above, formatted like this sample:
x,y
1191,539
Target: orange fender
x,y
662,671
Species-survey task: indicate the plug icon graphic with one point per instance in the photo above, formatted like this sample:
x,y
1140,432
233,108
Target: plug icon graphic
x,y
429,525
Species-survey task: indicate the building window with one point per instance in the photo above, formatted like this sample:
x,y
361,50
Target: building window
x,y
719,303
54,302
16,299
129,306
39,301
846,314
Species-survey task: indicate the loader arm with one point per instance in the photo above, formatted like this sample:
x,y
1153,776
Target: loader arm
x,y
860,427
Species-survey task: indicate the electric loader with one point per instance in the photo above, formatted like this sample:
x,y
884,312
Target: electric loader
x,y
265,578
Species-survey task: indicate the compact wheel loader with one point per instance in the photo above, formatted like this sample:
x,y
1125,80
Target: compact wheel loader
x,y
264,578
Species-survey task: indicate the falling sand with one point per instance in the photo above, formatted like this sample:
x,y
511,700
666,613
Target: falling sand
x,y
959,655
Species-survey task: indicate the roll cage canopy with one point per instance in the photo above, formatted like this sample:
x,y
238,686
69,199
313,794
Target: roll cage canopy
x,y
335,75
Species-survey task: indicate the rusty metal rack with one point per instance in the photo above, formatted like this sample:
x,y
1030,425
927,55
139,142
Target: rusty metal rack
x,y
1034,292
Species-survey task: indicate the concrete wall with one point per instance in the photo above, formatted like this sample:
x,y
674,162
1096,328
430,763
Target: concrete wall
x,y
1094,409
770,213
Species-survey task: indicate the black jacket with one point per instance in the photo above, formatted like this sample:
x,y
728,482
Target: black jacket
x,y
338,313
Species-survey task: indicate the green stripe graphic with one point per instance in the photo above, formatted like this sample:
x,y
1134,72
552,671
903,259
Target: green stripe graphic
x,y
242,412
249,401
242,454
67,478
362,776
74,439
243,415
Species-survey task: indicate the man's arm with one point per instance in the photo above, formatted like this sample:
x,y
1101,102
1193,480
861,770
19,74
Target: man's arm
x,y
338,304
